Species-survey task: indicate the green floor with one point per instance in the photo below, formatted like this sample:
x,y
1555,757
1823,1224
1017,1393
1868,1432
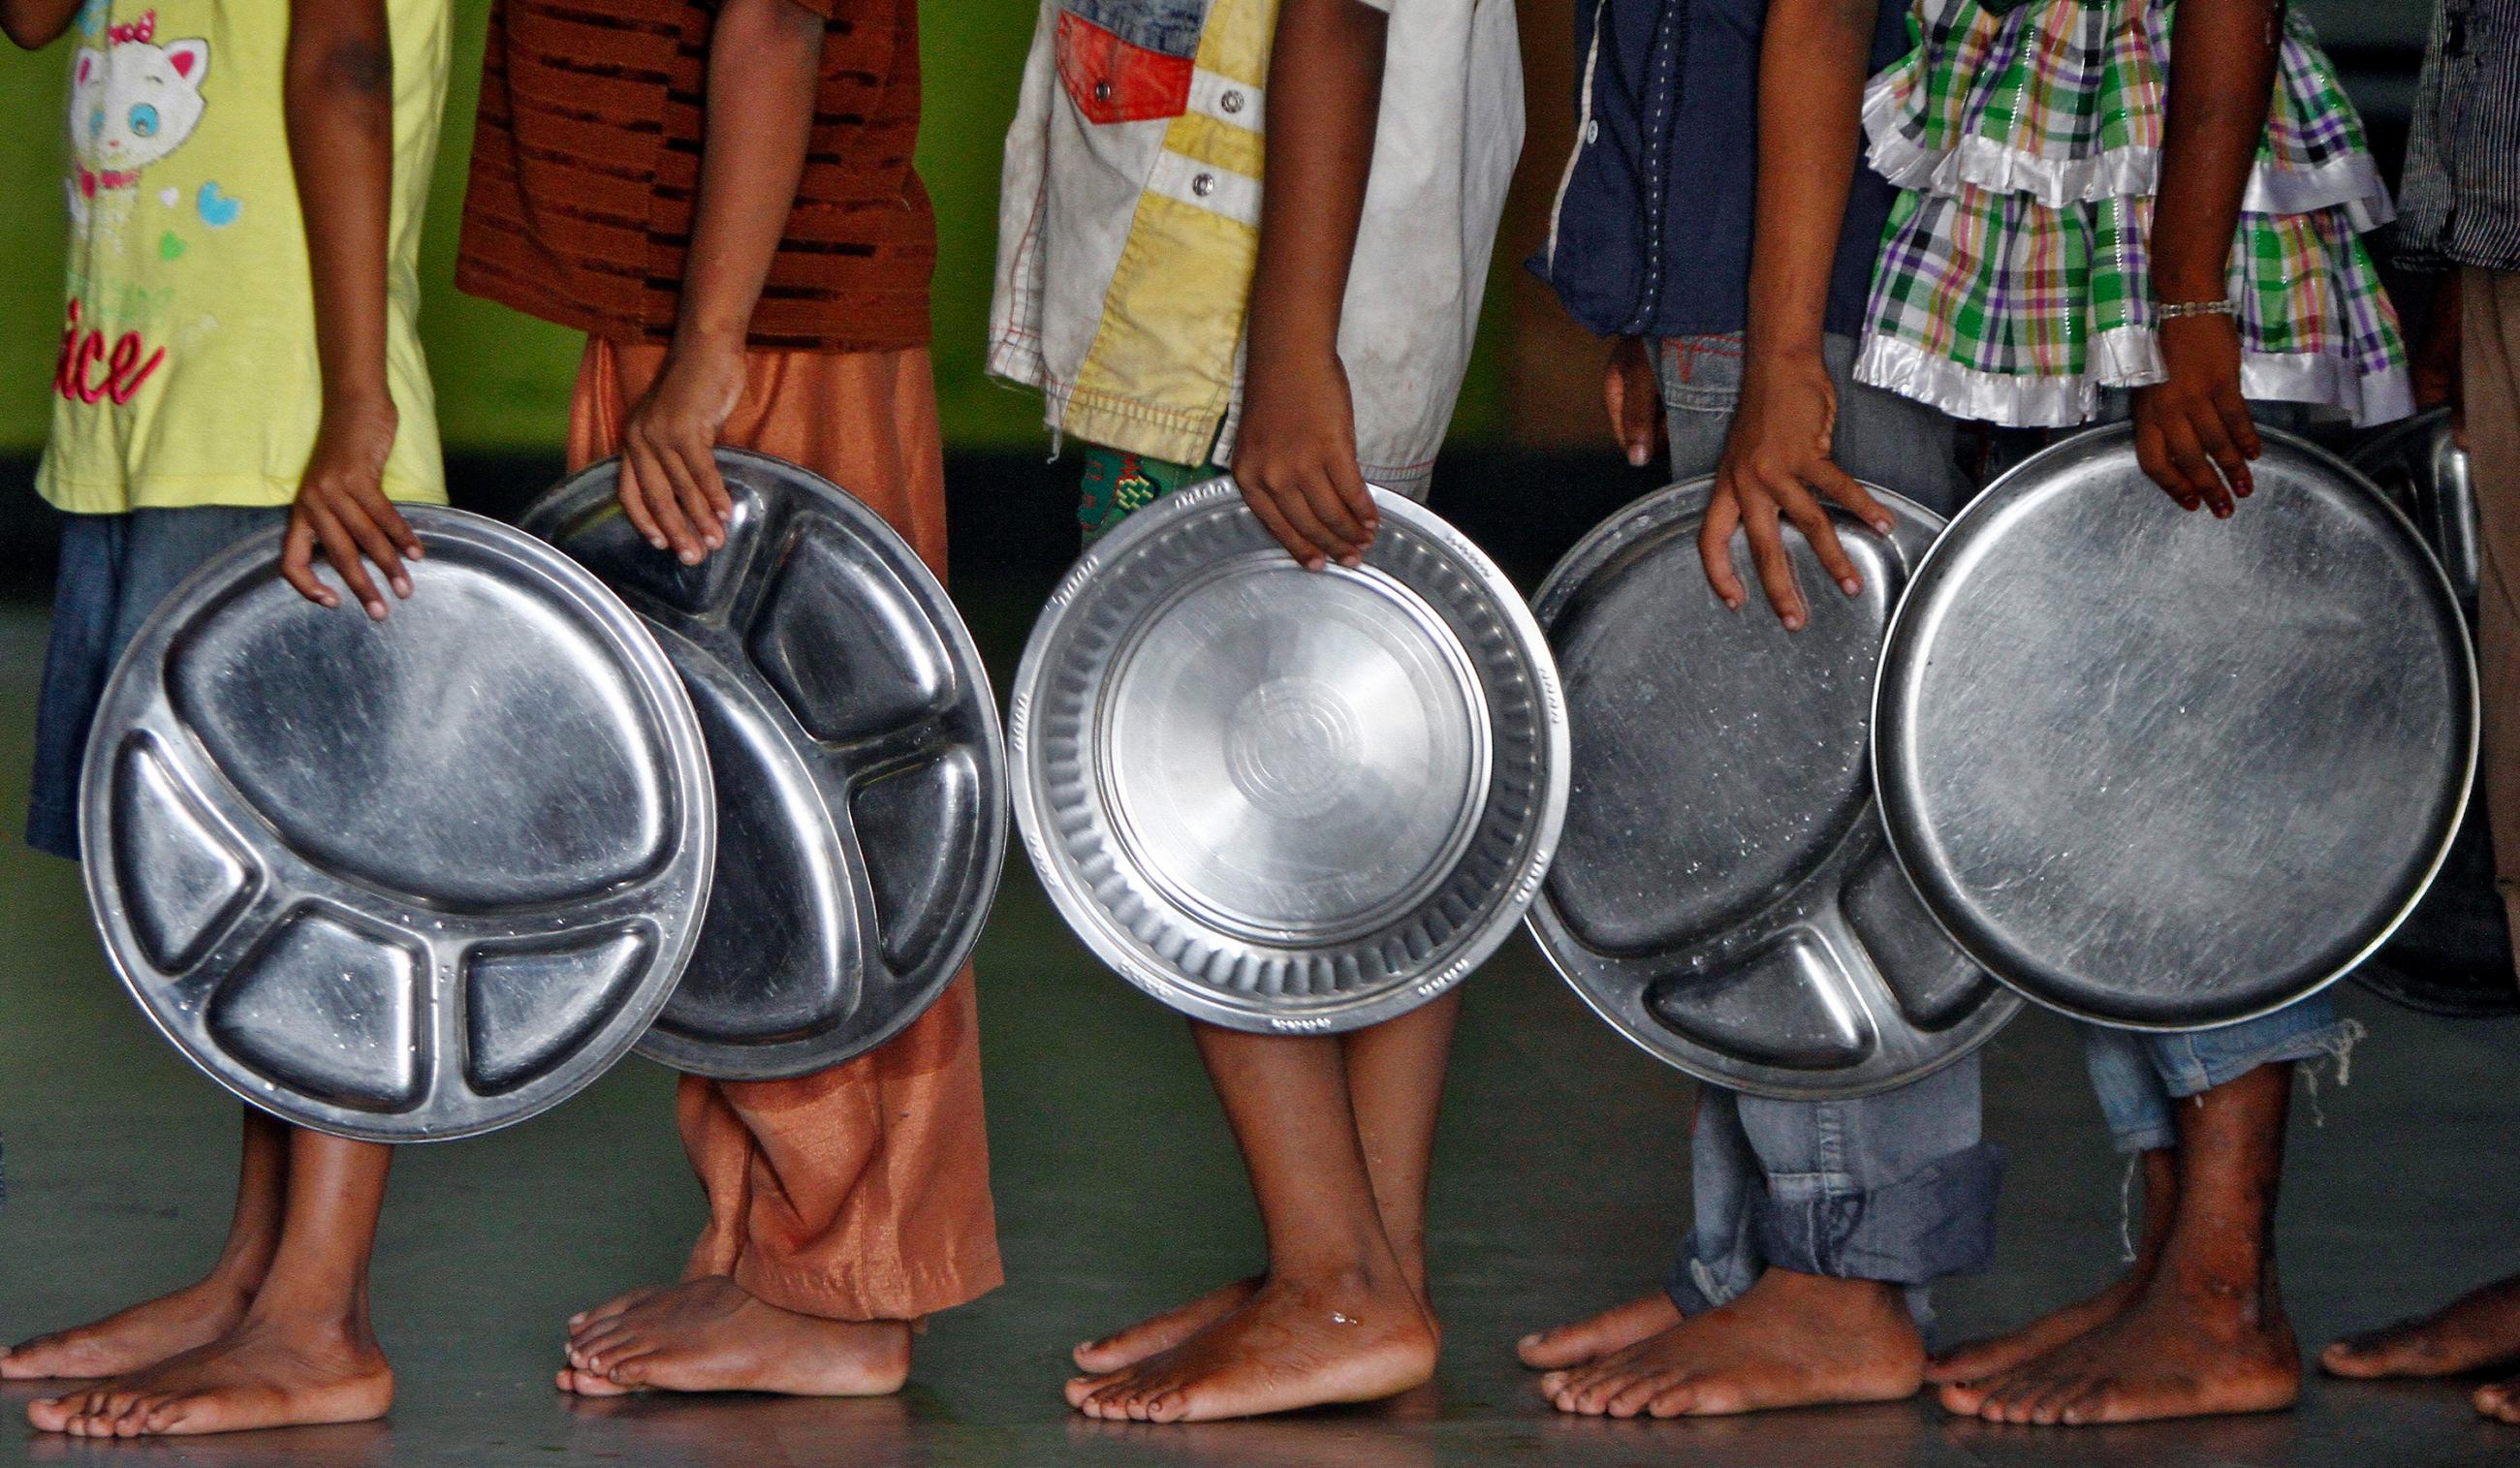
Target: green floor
x,y
1557,1191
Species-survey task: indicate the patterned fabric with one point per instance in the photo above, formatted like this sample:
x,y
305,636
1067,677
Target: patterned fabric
x,y
586,166
1129,222
1117,483
2463,192
2014,283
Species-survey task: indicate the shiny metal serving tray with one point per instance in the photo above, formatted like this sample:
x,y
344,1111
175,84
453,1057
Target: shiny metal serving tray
x,y
2454,955
1284,800
2165,771
399,881
1722,895
860,785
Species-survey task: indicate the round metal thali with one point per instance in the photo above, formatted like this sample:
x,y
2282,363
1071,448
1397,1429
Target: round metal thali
x,y
2454,955
2164,772
1722,894
1283,800
405,880
860,769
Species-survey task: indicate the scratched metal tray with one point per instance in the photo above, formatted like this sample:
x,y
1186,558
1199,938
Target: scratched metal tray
x,y
1284,800
1722,895
2165,771
2420,466
399,881
861,784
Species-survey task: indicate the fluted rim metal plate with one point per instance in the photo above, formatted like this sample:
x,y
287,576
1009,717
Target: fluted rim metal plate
x,y
861,774
2164,772
408,880
1722,894
1282,800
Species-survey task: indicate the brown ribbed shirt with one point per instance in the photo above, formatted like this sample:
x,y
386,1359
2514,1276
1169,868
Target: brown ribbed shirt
x,y
586,172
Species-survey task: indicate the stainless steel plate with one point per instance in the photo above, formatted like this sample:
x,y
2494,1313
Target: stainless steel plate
x,y
402,881
2454,955
860,785
2420,466
1284,800
2166,772
1722,895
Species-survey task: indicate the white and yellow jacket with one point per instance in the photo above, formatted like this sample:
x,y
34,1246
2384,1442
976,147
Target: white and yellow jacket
x,y
1130,215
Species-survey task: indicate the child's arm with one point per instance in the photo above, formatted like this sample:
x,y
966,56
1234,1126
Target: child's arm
x,y
1295,456
765,63
1811,98
35,24
2221,82
338,96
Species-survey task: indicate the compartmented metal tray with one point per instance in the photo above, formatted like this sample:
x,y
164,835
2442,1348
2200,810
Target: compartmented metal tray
x,y
2165,771
860,770
399,881
1284,800
1722,895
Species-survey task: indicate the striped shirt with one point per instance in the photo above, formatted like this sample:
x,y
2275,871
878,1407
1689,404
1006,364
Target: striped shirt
x,y
2461,200
586,169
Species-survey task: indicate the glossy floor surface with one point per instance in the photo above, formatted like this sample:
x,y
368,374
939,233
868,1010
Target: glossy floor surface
x,y
1558,1186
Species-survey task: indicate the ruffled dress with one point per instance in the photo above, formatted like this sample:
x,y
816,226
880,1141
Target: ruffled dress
x,y
2014,282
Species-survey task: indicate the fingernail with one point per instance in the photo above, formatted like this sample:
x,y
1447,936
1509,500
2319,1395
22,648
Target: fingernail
x,y
1849,586
417,552
1793,621
1351,561
1636,457
377,611
1733,603
402,585
690,558
1532,1339
657,541
1882,527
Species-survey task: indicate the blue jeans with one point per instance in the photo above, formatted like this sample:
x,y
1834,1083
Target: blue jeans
x,y
115,570
2139,1073
1899,1186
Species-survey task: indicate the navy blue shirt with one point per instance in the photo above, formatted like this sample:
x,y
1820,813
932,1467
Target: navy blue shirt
x,y
1651,233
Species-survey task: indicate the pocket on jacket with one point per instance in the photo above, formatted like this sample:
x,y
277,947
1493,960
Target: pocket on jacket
x,y
1129,60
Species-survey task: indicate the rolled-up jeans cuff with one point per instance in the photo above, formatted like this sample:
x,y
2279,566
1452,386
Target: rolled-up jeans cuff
x,y
1937,1222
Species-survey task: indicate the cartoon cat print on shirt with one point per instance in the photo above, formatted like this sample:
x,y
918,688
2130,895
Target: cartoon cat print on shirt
x,y
132,103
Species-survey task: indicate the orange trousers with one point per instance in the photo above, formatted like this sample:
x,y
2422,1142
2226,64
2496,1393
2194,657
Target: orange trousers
x,y
860,1193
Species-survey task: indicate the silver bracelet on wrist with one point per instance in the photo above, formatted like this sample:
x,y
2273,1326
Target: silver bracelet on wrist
x,y
2172,310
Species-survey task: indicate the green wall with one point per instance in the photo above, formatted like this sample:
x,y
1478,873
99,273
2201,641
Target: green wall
x,y
503,379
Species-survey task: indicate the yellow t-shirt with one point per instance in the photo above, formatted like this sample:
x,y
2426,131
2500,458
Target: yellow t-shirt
x,y
188,372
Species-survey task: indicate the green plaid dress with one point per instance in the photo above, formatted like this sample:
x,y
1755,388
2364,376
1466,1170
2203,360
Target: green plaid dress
x,y
2014,280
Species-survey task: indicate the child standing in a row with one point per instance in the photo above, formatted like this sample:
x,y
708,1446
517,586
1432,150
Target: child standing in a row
x,y
238,354
1312,333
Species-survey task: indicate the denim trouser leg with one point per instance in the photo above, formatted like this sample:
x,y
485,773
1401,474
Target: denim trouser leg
x,y
2138,1074
115,570
1899,1186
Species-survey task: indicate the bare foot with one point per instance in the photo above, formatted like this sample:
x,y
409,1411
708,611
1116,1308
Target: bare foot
x,y
1613,1329
1162,1332
2477,1330
1792,1340
1295,1343
264,1373
1973,1361
2499,1401
709,1335
2184,1349
132,1339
